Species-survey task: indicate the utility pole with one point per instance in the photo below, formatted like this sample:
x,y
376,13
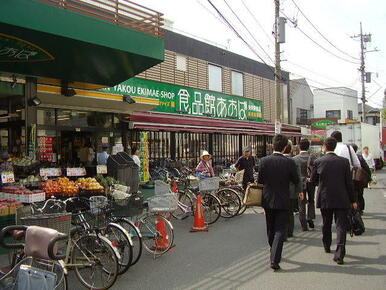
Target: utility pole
x,y
277,63
363,39
362,70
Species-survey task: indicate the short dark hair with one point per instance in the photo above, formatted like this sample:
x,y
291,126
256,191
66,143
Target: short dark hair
x,y
279,142
330,143
337,135
355,147
133,150
304,144
288,148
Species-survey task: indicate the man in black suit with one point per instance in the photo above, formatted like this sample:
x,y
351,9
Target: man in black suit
x,y
335,196
275,173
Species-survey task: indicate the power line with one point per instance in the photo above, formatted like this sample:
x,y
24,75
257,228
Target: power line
x,y
315,42
250,33
239,36
317,30
257,22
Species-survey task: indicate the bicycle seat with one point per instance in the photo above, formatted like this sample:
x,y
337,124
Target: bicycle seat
x,y
18,235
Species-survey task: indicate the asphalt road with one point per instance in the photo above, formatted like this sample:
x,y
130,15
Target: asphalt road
x,y
234,255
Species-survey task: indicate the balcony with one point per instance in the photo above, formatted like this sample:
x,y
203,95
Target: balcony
x,y
85,43
121,12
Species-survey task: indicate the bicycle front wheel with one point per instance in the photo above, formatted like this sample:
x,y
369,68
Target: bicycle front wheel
x,y
212,208
121,241
95,262
157,234
135,236
230,202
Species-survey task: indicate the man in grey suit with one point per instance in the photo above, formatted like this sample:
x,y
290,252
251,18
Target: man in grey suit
x,y
335,197
304,160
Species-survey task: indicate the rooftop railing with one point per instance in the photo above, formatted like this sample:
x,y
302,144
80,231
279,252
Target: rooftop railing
x,y
121,12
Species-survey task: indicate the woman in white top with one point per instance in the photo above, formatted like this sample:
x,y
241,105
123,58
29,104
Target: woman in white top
x,y
369,158
135,155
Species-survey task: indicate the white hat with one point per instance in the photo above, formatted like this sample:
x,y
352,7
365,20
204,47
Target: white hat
x,y
205,153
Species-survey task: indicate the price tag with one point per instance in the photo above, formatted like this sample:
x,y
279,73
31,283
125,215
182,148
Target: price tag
x,y
101,169
76,171
7,177
46,172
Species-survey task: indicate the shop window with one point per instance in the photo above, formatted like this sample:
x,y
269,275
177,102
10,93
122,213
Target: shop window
x,y
181,62
333,114
237,83
46,117
215,78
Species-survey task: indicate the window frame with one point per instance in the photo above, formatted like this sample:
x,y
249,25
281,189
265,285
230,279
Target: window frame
x,y
211,87
334,116
233,72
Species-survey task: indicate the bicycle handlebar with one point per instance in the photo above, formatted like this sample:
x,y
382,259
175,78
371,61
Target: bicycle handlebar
x,y
8,229
51,245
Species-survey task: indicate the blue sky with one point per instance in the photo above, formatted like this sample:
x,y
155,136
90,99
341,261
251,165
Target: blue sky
x,y
337,20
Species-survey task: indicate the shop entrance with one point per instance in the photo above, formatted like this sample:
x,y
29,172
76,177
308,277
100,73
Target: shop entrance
x,y
71,143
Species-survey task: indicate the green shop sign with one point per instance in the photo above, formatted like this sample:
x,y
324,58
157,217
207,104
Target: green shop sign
x,y
14,49
322,124
194,102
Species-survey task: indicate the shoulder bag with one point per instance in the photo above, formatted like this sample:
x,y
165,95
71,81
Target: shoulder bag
x,y
253,195
359,175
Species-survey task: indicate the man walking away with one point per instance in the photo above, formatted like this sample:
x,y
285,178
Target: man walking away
x,y
344,150
294,195
246,163
305,161
358,187
335,196
275,173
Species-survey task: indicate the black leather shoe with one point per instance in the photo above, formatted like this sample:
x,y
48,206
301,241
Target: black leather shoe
x,y
275,266
327,250
311,224
339,261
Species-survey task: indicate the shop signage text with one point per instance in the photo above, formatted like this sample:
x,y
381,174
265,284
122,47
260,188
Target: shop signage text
x,y
14,49
322,124
188,101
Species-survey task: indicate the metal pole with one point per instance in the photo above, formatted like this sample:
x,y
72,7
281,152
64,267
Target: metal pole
x,y
277,63
362,70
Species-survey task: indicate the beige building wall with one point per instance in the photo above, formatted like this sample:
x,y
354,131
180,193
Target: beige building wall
x,y
195,75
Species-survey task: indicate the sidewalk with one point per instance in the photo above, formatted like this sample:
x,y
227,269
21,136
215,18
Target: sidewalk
x,y
306,266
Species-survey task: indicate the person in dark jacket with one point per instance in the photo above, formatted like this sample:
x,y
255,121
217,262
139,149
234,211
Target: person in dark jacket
x,y
246,163
360,188
275,173
335,196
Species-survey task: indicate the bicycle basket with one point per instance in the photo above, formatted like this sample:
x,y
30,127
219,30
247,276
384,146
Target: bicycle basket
x,y
209,184
239,176
164,203
57,221
98,203
161,187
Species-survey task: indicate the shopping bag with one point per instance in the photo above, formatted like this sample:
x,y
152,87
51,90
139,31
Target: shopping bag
x,y
356,225
253,195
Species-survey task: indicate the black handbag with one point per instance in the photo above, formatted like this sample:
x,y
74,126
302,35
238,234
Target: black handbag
x,y
356,225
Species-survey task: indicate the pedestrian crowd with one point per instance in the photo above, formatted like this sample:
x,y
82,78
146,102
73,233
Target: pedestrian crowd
x,y
289,178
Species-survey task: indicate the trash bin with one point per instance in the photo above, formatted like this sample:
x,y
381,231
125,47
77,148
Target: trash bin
x,y
123,168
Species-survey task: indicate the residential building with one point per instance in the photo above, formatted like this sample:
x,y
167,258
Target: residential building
x,y
339,102
372,114
301,102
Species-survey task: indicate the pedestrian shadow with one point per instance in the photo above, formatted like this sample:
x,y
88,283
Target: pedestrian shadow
x,y
317,241
374,215
359,266
374,232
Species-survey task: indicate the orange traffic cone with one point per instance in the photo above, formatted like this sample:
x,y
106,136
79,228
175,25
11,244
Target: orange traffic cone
x,y
175,186
161,242
199,219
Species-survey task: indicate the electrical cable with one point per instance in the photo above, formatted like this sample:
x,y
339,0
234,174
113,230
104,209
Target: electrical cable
x,y
239,36
250,33
315,42
317,30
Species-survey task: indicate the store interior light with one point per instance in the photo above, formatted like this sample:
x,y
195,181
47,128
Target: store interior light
x,y
128,99
34,101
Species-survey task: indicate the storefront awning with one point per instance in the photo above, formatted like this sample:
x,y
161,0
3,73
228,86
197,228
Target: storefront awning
x,y
92,101
75,45
169,122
